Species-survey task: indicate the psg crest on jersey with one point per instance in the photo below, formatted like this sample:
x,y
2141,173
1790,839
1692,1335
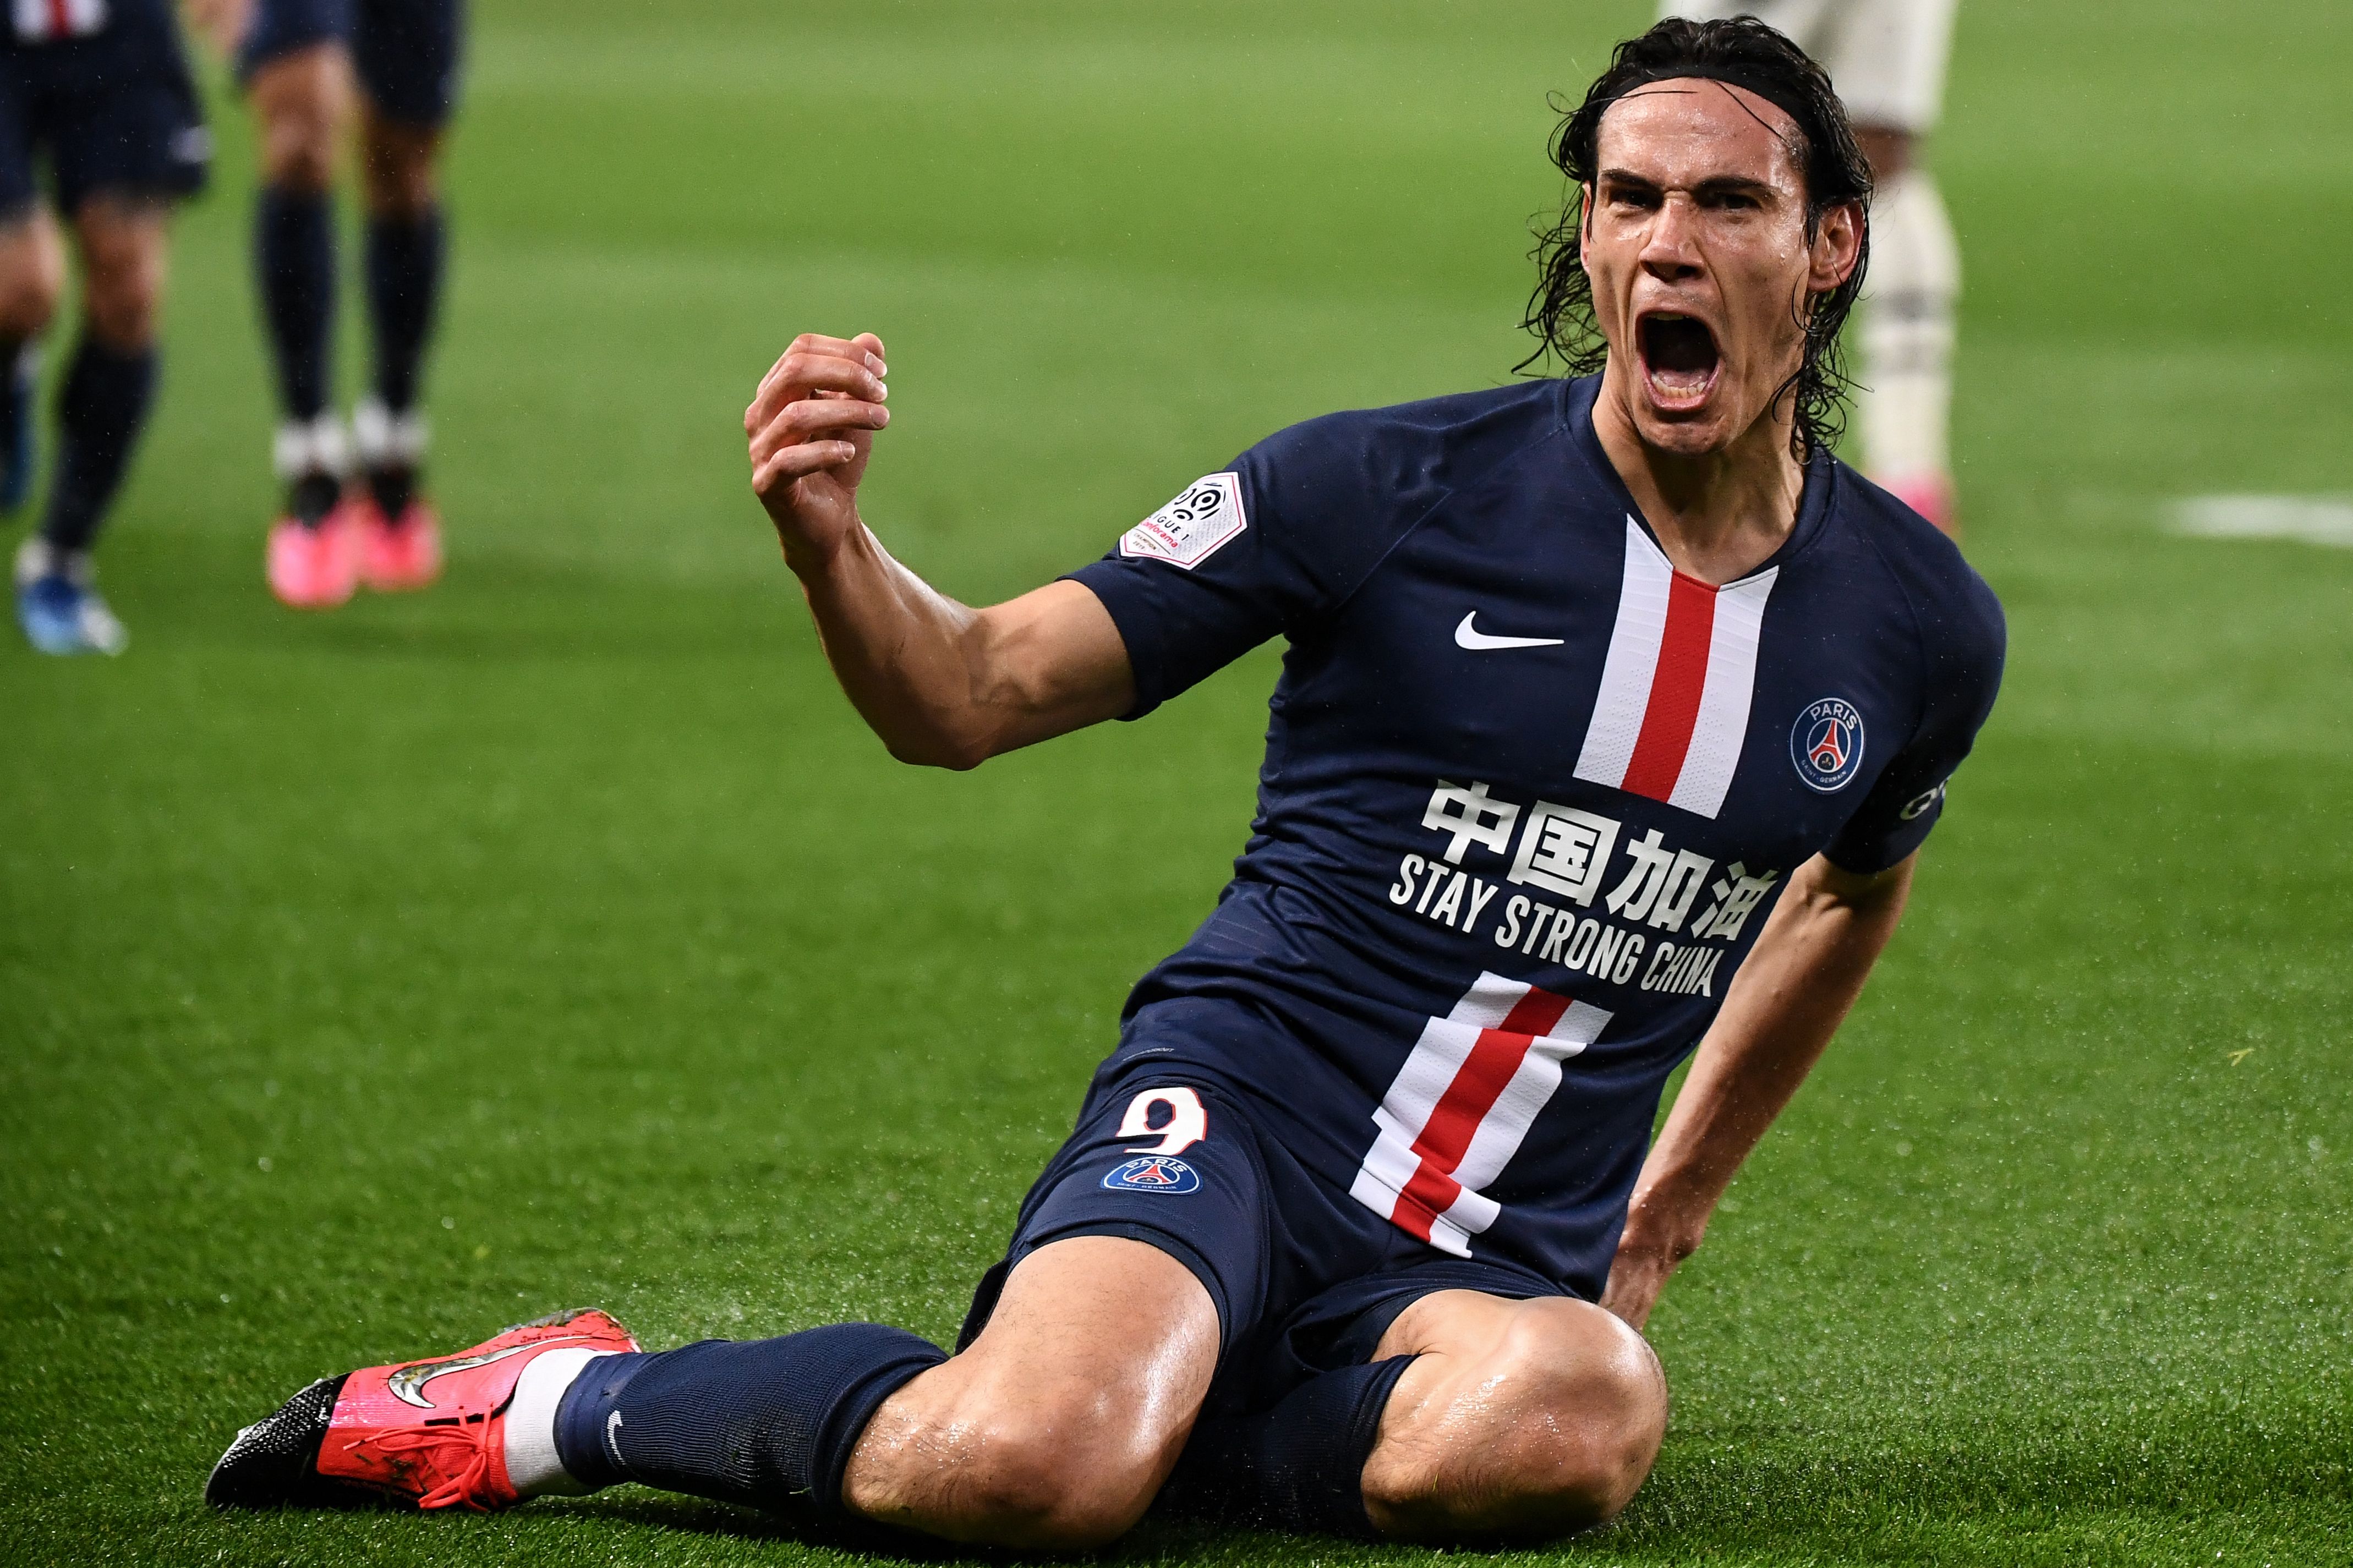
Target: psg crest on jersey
x,y
1154,1173
1826,744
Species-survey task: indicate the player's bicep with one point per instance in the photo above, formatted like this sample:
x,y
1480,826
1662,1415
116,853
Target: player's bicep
x,y
1049,662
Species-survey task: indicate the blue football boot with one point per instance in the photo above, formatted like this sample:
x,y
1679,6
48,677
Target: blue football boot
x,y
60,610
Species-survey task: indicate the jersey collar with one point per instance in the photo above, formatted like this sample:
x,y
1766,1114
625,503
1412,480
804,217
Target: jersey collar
x,y
1813,498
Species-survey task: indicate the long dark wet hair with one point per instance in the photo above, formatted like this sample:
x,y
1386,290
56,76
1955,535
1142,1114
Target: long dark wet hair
x,y
1746,53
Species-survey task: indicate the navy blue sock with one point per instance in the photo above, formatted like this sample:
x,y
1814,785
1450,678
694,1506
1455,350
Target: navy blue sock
x,y
13,387
15,425
404,288
100,409
1298,1467
756,1422
294,260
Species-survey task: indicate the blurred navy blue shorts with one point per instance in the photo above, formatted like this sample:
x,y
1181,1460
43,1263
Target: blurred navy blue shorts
x,y
113,111
404,52
1305,1279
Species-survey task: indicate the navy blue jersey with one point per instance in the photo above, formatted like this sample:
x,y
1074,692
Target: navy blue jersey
x,y
1529,792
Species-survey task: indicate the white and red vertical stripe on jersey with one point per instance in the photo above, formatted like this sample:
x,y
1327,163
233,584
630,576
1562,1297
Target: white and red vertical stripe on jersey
x,y
1675,689
1462,1104
38,21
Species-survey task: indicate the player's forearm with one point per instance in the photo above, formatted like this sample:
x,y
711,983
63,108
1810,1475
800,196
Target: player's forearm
x,y
945,685
1808,966
899,649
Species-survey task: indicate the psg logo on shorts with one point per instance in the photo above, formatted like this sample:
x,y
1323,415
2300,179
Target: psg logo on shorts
x,y
1154,1173
1826,744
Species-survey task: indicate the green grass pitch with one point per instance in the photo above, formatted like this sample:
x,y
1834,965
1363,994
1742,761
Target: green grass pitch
x,y
370,981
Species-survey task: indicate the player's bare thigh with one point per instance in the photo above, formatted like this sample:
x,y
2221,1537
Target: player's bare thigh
x,y
1057,1427
32,273
303,101
1519,1418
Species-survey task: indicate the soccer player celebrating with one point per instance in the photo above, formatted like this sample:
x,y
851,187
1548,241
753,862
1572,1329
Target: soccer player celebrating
x,y
296,58
102,92
1614,712
1886,58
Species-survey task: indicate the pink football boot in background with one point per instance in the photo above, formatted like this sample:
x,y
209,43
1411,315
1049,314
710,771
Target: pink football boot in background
x,y
314,568
397,555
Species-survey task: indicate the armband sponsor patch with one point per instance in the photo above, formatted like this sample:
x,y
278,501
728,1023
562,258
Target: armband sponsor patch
x,y
1919,806
1193,527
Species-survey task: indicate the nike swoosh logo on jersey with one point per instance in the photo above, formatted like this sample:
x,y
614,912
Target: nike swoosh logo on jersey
x,y
408,1384
1470,636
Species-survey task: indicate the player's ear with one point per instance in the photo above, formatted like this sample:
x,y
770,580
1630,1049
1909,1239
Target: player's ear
x,y
1837,247
1584,223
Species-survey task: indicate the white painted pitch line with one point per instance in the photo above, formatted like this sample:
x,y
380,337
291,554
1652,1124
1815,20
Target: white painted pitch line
x,y
2313,520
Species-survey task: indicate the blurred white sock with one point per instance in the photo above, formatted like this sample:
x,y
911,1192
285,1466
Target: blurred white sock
x,y
1909,298
314,447
531,1466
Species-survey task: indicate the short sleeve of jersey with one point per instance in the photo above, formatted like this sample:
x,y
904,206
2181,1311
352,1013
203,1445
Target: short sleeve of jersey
x,y
1266,547
1962,659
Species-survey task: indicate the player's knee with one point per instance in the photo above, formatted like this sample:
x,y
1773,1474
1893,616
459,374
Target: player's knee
x,y
1040,1472
122,295
1604,1405
397,166
1595,1409
298,154
1585,1409
124,316
30,283
1045,1481
302,102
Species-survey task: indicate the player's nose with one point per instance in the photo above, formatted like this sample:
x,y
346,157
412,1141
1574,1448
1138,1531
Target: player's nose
x,y
1670,244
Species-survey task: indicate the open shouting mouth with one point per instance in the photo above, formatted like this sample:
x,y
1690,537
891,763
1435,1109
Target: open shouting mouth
x,y
1680,359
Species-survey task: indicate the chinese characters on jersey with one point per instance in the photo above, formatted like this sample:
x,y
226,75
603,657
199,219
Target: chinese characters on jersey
x,y
1568,858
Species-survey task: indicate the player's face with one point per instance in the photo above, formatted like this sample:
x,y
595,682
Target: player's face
x,y
1696,243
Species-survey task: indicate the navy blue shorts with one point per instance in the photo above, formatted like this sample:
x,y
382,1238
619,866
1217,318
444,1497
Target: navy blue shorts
x,y
404,52
1305,1278
113,112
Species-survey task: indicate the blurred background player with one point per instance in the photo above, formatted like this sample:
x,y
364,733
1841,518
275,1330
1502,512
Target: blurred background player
x,y
1887,59
353,513
99,90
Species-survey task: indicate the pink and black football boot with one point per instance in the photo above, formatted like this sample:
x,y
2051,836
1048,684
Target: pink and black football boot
x,y
313,559
428,1432
314,565
400,536
398,554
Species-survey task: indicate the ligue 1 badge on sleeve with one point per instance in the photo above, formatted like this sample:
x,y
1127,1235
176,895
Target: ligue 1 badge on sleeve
x,y
1193,527
1826,744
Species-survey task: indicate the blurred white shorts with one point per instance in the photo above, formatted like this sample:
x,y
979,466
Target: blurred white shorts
x,y
1886,58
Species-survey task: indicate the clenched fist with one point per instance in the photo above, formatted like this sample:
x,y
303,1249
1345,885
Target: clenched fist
x,y
812,425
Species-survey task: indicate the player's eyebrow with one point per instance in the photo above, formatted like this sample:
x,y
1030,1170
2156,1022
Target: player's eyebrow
x,y
1625,178
1734,185
1714,185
